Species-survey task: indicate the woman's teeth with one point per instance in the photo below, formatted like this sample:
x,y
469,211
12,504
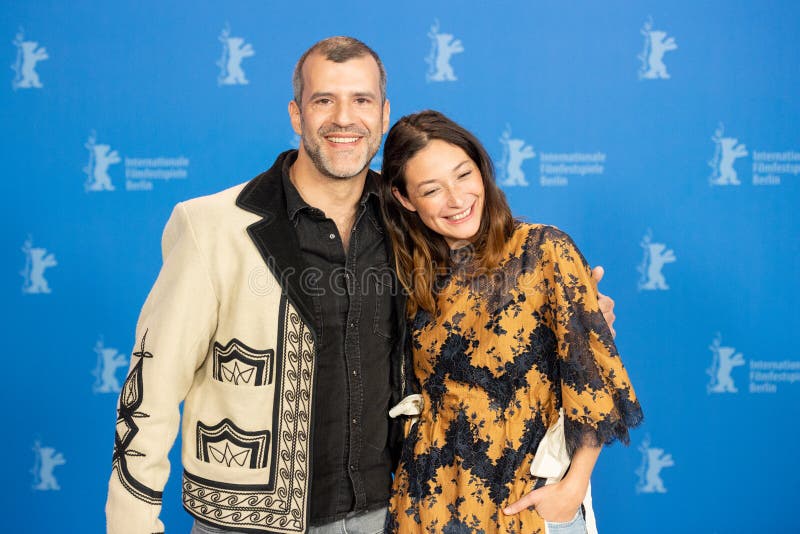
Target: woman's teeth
x,y
459,216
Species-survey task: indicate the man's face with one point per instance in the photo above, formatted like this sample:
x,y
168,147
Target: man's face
x,y
341,118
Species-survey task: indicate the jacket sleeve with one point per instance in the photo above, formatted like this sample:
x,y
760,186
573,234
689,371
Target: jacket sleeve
x,y
173,333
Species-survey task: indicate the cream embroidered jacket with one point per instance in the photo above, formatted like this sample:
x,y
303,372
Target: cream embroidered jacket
x,y
227,330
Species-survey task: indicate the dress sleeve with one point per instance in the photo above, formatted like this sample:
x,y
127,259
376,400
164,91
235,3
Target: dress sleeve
x,y
596,394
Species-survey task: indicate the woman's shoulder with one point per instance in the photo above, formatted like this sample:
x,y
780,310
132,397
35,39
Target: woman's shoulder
x,y
537,242
527,235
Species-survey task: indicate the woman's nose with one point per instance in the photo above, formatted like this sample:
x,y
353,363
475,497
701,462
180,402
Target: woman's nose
x,y
455,198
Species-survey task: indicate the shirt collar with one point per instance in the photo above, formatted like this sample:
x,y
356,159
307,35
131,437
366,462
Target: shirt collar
x,y
295,203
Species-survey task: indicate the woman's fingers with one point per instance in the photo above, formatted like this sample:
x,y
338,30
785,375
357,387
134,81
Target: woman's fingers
x,y
526,501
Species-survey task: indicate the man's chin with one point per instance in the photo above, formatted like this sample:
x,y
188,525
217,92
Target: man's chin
x,y
344,172
343,175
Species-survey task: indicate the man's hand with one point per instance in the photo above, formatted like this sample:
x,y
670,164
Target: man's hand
x,y
606,303
557,502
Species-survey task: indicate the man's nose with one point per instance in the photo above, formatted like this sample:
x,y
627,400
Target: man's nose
x,y
342,114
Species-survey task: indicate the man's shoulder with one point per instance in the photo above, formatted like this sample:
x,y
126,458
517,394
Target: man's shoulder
x,y
225,198
261,186
209,214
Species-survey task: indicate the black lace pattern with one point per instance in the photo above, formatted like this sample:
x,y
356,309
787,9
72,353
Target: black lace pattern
x,y
503,352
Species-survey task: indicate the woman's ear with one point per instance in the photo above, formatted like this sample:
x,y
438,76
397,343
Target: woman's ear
x,y
403,200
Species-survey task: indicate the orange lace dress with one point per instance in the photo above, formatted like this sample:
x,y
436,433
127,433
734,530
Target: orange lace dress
x,y
494,364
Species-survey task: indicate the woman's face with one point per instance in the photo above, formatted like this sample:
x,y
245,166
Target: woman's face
x,y
445,187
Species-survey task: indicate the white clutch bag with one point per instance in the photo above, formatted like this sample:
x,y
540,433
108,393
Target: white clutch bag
x,y
552,461
409,405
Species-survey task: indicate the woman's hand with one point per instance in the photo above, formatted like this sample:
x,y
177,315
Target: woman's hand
x,y
557,502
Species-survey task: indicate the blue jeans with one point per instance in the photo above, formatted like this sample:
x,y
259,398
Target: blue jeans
x,y
576,526
364,523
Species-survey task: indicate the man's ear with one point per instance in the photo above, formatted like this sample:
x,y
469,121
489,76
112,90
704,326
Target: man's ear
x,y
386,112
294,116
403,200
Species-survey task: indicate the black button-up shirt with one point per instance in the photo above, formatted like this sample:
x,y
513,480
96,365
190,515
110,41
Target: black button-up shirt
x,y
351,292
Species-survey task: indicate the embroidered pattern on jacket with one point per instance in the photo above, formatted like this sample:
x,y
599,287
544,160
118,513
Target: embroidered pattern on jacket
x,y
129,401
238,364
279,504
227,444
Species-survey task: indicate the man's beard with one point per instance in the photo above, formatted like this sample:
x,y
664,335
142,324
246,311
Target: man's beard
x,y
325,166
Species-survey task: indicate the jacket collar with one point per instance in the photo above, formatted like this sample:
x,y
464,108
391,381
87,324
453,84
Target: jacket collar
x,y
275,238
264,195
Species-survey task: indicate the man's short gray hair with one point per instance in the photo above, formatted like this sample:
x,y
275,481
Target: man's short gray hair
x,y
337,49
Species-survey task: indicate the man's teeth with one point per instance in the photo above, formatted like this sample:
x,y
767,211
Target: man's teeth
x,y
461,215
342,139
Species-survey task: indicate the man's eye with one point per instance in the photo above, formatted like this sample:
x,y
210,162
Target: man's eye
x,y
362,100
324,101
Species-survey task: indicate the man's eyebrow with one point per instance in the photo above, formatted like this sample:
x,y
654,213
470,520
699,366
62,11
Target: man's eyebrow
x,y
320,94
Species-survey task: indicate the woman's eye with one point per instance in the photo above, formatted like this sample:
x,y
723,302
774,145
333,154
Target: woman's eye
x,y
464,175
429,192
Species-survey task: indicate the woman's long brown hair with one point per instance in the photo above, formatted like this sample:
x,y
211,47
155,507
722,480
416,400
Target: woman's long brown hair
x,y
420,253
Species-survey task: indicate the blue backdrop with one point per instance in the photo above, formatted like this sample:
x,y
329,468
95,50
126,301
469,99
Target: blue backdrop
x,y
661,135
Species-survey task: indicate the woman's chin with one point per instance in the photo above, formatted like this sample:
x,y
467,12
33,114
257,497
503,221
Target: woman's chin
x,y
460,239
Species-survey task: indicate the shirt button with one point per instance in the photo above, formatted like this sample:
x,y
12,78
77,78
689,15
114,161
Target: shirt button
x,y
352,468
355,373
352,325
355,420
332,236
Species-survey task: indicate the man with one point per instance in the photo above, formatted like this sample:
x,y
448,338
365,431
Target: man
x,y
274,321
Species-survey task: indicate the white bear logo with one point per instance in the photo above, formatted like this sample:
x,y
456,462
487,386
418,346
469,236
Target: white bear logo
x,y
234,50
37,260
656,255
101,157
727,150
47,459
725,359
105,373
656,44
653,461
515,152
443,46
28,55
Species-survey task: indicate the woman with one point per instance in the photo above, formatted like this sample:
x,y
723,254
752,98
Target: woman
x,y
505,331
